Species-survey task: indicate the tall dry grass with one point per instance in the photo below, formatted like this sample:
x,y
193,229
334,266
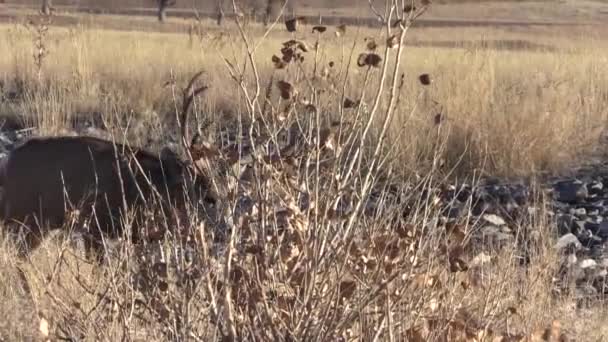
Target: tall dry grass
x,y
506,112
304,253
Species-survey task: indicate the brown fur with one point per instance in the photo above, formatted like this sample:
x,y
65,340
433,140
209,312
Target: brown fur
x,y
45,177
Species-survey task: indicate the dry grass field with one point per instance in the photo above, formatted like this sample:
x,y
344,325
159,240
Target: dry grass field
x,y
512,102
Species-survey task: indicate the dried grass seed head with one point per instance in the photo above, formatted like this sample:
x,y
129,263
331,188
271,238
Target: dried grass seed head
x,y
371,44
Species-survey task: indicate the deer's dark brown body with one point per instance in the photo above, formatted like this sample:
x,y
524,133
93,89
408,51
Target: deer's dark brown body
x,y
45,178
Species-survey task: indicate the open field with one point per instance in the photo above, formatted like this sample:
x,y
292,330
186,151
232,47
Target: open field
x,y
540,88
551,11
349,238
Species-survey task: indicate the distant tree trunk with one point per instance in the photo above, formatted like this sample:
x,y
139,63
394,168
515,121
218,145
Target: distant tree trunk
x,y
46,7
220,12
291,8
162,9
272,10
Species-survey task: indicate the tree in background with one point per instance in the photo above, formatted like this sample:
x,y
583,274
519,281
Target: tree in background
x,y
46,7
162,8
220,12
273,7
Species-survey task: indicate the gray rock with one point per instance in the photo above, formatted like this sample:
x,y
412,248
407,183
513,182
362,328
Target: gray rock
x,y
455,210
570,191
601,274
585,291
490,230
587,224
570,260
521,195
595,219
587,263
565,223
580,212
480,207
494,235
596,187
481,259
591,240
506,230
578,226
568,240
577,274
494,219
511,207
602,230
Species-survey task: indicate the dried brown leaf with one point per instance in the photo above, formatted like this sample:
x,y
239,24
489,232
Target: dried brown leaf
x,y
278,62
286,89
438,119
425,79
409,8
319,29
297,44
347,288
292,24
348,103
369,59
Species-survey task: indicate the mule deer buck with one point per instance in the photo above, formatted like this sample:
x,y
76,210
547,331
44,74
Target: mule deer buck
x,y
43,177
